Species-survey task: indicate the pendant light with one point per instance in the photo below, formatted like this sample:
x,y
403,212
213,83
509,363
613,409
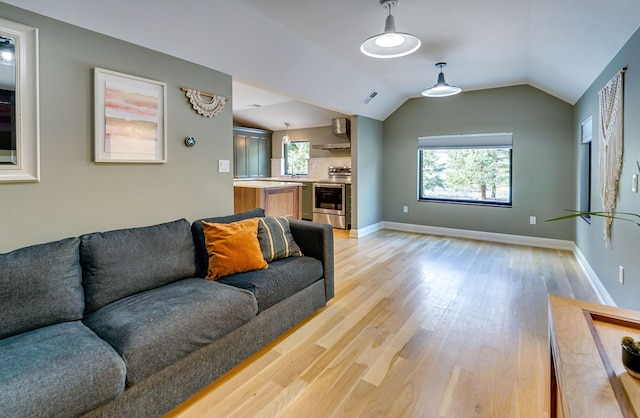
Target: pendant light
x,y
285,138
441,88
390,43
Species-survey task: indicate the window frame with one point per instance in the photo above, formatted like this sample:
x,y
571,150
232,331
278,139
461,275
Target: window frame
x,y
285,153
584,180
461,142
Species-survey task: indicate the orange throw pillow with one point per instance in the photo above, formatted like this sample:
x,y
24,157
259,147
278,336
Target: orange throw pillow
x,y
232,248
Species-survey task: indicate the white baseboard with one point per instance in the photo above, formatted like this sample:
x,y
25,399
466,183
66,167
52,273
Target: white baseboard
x,y
594,280
604,296
359,233
482,236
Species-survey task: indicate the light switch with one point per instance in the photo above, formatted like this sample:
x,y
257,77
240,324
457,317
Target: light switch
x,y
634,184
223,166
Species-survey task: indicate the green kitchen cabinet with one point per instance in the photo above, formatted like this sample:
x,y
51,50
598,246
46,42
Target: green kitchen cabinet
x,y
307,201
251,153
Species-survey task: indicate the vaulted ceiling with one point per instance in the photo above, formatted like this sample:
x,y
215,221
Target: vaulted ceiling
x,y
300,59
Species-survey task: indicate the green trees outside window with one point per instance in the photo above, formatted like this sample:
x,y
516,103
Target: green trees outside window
x,y
296,158
468,175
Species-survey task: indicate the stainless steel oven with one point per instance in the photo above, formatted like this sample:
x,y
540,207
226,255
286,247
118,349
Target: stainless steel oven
x,y
329,204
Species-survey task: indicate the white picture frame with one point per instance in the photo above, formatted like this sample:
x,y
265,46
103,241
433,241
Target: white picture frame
x,y
130,118
22,163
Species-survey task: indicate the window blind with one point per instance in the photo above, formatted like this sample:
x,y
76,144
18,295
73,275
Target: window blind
x,y
492,140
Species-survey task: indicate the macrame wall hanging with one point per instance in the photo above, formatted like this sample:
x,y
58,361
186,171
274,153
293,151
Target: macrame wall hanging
x,y
206,104
611,145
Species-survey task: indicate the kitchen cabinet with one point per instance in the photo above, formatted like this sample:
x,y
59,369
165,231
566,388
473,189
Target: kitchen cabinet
x,y
307,201
276,198
251,152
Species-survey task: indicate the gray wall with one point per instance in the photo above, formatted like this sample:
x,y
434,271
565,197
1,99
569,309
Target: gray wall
x,y
543,160
367,156
76,195
624,246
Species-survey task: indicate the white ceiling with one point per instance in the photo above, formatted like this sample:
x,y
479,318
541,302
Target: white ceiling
x,y
296,56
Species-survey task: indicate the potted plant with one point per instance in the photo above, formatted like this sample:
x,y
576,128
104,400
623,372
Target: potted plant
x,y
631,356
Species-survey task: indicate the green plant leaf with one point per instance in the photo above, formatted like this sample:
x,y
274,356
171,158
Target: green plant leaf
x,y
616,215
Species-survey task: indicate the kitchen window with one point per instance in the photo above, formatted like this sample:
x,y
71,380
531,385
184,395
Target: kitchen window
x,y
296,157
471,169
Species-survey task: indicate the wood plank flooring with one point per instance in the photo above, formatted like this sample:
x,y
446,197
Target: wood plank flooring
x,y
421,326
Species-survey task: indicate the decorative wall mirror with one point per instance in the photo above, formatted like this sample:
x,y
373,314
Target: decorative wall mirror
x,y
19,119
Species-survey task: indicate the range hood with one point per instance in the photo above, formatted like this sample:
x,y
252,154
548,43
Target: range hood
x,y
341,128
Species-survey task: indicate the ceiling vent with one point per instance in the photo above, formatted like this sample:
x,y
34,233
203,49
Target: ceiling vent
x,y
370,97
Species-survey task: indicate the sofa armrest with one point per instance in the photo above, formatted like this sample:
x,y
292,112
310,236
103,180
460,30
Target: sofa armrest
x,y
316,240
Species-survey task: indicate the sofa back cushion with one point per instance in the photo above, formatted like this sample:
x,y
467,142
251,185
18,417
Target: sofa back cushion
x,y
120,263
198,235
40,285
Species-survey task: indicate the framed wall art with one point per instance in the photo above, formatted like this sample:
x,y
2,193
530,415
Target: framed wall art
x,y
130,118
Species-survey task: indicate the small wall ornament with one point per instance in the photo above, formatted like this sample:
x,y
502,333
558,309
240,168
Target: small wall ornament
x,y
206,104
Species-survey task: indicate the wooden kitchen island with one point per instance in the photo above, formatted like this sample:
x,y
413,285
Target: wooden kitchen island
x,y
277,198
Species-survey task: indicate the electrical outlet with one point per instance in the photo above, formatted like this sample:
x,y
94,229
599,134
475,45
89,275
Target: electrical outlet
x,y
634,183
532,220
621,274
405,209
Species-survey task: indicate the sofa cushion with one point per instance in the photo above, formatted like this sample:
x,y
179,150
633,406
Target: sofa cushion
x,y
62,370
276,241
232,248
40,285
154,329
282,279
198,235
120,263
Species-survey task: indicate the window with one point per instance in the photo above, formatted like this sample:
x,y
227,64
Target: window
x,y
466,168
296,157
586,134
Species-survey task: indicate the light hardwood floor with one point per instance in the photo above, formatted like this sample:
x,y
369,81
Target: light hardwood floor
x,y
421,326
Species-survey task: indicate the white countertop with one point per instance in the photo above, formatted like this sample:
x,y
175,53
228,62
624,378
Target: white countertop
x,y
283,178
288,179
260,184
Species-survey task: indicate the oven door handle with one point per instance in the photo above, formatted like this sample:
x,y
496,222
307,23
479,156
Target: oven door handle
x,y
329,185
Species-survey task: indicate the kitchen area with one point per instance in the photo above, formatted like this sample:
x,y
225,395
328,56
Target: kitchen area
x,y
315,186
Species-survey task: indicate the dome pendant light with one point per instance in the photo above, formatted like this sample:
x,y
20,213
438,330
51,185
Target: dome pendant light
x,y
441,88
390,43
285,138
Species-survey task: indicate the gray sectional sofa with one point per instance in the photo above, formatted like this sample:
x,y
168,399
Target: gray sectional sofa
x,y
122,323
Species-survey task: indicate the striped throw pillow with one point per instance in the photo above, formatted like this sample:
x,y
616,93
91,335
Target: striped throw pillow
x,y
275,238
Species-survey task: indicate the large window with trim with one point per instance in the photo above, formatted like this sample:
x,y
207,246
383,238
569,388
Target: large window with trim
x,y
296,157
472,169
